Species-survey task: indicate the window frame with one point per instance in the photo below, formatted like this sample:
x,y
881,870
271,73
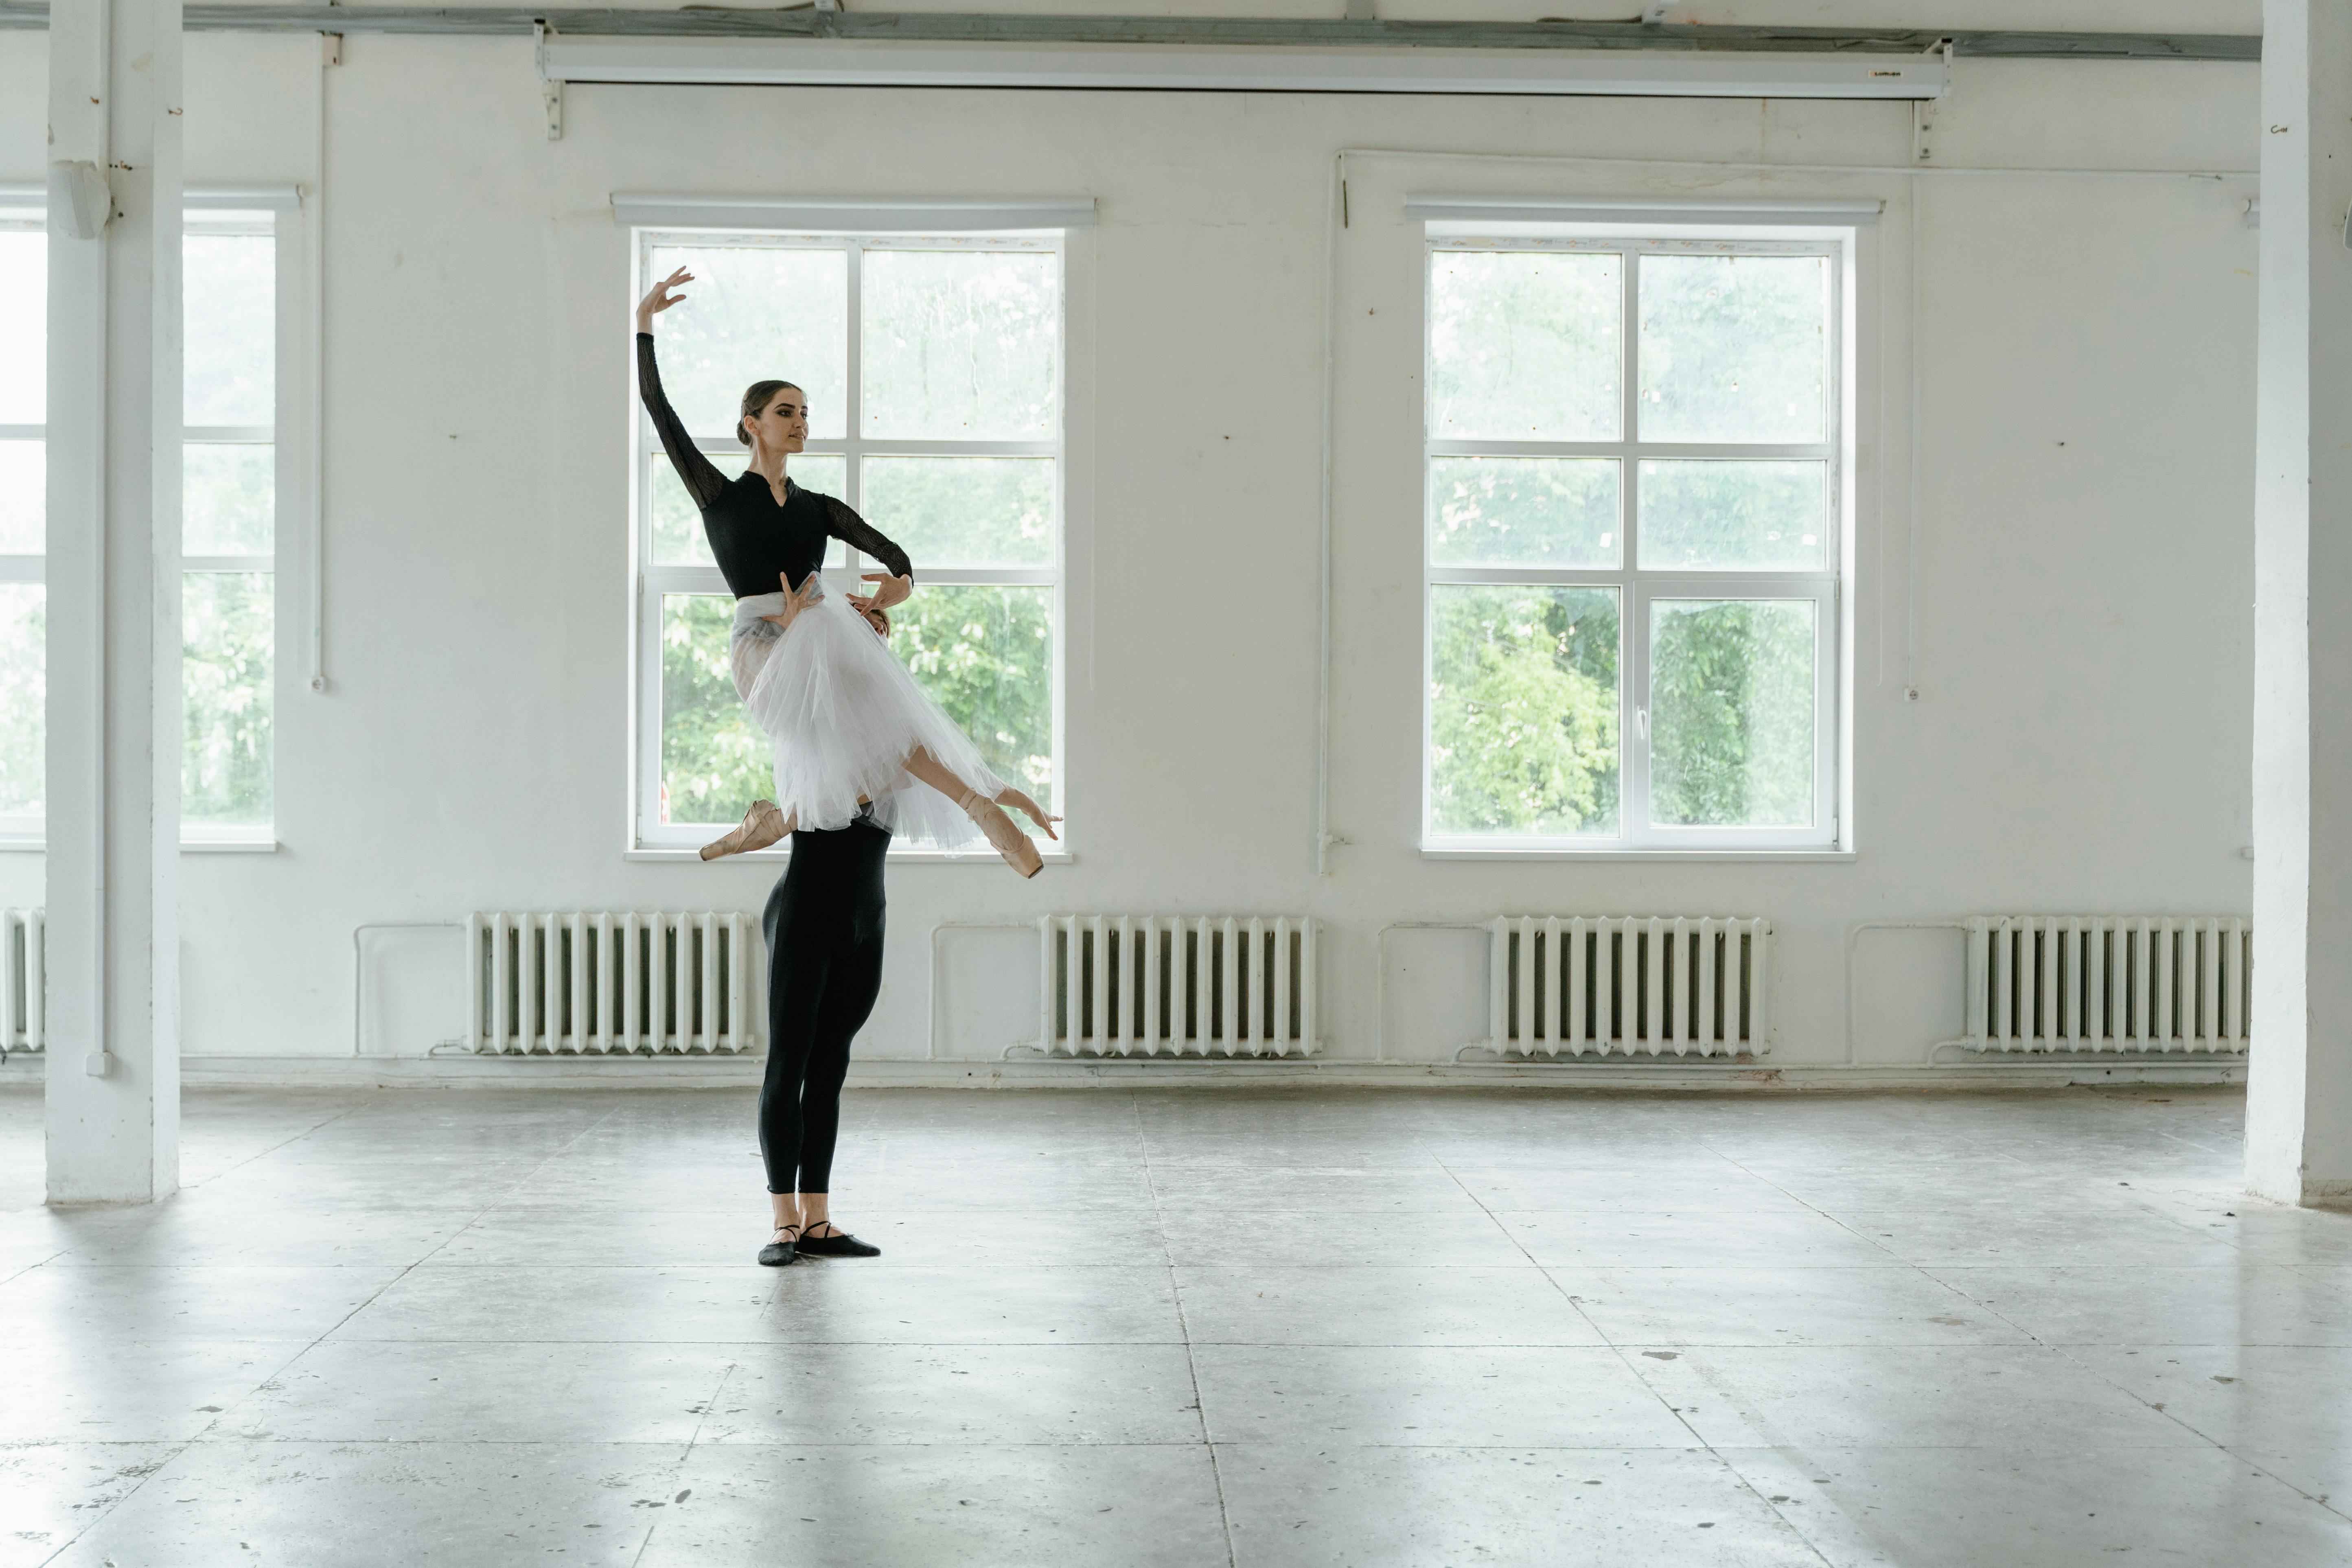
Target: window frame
x,y
651,581
28,831
1639,587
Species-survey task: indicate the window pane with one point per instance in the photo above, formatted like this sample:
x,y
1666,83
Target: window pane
x,y
1523,710
1761,516
1524,511
229,284
1731,712
964,511
23,498
677,527
227,638
986,656
1524,343
754,313
1734,348
714,761
25,328
24,654
228,499
959,346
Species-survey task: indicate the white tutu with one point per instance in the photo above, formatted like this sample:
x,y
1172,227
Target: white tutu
x,y
844,715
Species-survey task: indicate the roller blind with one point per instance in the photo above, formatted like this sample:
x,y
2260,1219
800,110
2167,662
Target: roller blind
x,y
944,214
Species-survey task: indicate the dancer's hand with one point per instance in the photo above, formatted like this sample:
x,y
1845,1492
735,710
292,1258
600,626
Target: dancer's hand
x,y
660,299
795,599
893,591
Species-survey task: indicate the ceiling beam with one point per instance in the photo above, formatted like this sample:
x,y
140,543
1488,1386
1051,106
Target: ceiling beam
x,y
879,26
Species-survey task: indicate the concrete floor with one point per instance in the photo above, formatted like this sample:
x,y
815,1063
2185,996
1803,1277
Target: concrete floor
x,y
1185,1328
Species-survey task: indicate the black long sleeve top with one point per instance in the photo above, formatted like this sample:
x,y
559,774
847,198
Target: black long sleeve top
x,y
753,538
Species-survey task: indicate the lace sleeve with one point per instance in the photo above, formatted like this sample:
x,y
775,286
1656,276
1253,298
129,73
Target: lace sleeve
x,y
843,524
702,478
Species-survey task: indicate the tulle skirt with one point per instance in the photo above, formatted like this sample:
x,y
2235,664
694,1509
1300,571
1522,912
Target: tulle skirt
x,y
844,715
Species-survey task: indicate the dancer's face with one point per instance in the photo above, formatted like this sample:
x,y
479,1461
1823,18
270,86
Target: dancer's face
x,y
782,425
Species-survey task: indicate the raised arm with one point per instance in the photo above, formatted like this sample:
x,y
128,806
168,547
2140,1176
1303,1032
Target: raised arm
x,y
702,478
843,524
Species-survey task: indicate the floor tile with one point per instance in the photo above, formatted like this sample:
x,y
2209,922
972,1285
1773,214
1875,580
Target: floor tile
x,y
1479,1397
854,1394
365,1392
2250,1304
1263,1304
1885,1304
95,1303
99,1389
2023,1398
1309,1237
388,1505
1542,1508
2008,1235
1689,1239
1970,1508
1018,1506
56,1490
2285,1407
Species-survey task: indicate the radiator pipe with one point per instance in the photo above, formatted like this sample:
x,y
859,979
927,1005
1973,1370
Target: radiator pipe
x,y
931,990
1852,1050
1380,976
359,967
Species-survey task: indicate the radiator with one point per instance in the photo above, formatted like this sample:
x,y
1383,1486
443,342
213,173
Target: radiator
x,y
2108,982
1227,986
1642,985
24,989
610,983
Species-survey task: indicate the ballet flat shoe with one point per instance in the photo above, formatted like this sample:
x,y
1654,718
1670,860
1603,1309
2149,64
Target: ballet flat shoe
x,y
1020,851
762,824
840,1244
776,1254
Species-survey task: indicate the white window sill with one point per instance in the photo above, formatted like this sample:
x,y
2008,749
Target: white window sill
x,y
1457,851
187,845
898,857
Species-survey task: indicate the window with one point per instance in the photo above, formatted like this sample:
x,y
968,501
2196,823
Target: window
x,y
228,489
24,523
1635,493
228,492
932,366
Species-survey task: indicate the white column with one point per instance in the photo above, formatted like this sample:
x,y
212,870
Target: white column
x,y
2299,1096
114,791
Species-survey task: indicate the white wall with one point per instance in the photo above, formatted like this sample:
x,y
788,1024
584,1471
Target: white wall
x,y
2082,627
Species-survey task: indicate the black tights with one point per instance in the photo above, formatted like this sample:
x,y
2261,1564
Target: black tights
x,y
823,925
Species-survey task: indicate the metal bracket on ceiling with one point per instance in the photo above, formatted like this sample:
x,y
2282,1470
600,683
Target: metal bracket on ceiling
x,y
550,88
1925,109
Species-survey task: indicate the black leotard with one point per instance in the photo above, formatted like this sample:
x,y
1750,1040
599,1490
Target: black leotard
x,y
753,538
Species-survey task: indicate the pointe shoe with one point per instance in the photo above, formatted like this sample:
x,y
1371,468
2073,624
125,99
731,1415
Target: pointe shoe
x,y
1019,851
763,825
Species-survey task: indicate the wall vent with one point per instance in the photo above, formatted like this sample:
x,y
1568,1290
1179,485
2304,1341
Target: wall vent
x,y
607,983
1658,986
24,987
1160,985
2108,982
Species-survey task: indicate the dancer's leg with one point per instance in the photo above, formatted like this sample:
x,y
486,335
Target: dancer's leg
x,y
932,772
796,981
851,985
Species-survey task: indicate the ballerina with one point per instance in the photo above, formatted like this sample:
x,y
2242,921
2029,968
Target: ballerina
x,y
853,733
